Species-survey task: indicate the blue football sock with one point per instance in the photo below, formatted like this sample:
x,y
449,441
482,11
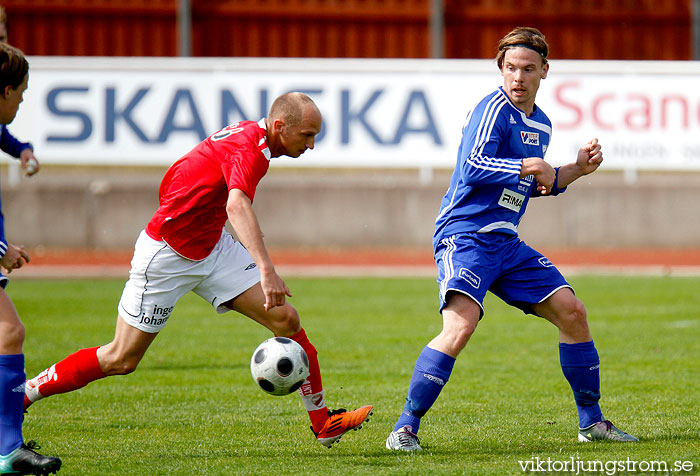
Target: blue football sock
x,y
12,378
580,364
432,370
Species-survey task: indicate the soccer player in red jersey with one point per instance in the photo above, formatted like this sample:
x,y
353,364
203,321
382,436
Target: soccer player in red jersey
x,y
185,248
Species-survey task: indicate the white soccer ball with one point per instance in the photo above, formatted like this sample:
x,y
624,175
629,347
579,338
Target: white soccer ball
x,y
279,366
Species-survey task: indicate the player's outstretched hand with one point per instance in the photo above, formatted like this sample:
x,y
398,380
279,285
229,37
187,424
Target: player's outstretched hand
x,y
14,258
589,157
274,289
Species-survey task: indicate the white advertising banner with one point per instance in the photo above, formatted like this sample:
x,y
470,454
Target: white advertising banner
x,y
377,113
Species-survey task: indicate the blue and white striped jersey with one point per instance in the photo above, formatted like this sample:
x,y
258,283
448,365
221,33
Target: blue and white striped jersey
x,y
486,192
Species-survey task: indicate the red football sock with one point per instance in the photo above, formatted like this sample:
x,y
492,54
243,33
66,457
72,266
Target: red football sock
x,y
72,373
312,391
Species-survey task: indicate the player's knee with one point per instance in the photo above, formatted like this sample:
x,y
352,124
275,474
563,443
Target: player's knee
x,y
286,321
578,312
574,316
460,316
12,337
460,325
464,329
457,332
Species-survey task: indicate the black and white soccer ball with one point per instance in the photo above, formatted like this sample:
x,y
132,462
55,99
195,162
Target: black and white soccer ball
x,y
279,366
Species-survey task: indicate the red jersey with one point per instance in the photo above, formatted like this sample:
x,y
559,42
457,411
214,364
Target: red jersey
x,y
194,191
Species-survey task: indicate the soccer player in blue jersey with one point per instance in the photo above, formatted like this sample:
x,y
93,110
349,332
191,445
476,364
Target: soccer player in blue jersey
x,y
19,150
9,143
500,166
16,457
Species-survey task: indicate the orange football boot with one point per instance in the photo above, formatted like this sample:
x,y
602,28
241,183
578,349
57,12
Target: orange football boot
x,y
340,422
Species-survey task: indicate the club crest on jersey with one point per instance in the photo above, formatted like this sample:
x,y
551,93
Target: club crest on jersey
x,y
530,138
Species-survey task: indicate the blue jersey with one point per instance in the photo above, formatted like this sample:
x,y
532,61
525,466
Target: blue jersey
x,y
10,145
486,193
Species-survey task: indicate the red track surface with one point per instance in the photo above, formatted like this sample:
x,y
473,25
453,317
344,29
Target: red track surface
x,y
57,263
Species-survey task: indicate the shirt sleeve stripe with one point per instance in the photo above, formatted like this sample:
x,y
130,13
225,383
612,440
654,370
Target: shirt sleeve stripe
x,y
486,125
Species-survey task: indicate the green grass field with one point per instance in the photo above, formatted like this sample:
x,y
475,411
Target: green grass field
x,y
192,407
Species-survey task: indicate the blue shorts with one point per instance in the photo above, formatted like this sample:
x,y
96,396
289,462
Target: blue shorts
x,y
474,263
3,281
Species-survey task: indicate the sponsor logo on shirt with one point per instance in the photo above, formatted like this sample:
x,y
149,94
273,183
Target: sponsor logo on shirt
x,y
512,121
525,183
511,200
530,138
470,277
545,262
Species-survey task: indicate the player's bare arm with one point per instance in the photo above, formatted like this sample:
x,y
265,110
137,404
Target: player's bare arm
x,y
14,258
541,170
242,217
588,159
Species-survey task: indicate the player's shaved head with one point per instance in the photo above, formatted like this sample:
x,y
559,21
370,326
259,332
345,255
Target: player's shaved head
x,y
524,37
290,108
293,123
